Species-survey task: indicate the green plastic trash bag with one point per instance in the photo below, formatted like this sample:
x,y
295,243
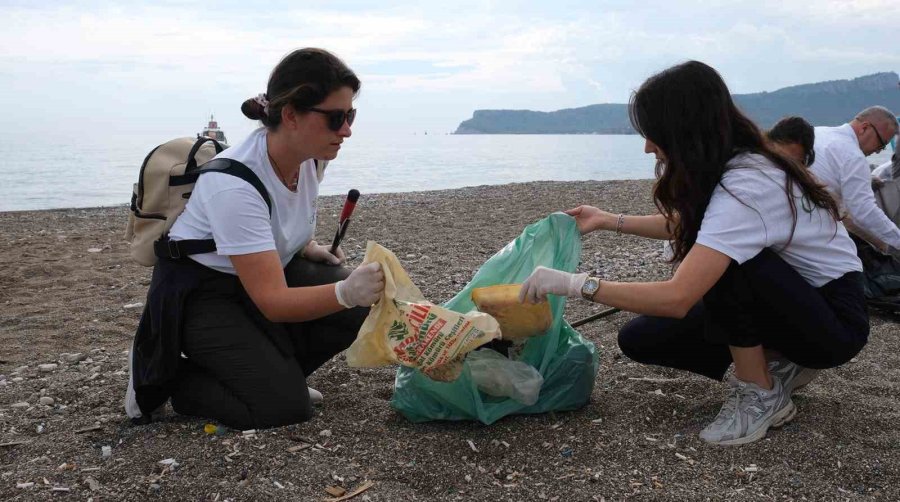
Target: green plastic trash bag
x,y
567,361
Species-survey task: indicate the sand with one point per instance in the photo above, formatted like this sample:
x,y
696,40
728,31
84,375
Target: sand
x,y
70,296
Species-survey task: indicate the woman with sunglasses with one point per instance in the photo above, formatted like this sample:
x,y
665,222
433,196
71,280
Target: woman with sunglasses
x,y
768,279
256,317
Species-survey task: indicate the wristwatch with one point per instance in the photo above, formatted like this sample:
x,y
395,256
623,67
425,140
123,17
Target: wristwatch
x,y
590,286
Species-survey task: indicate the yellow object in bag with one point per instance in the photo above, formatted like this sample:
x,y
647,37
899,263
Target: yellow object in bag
x,y
404,328
518,321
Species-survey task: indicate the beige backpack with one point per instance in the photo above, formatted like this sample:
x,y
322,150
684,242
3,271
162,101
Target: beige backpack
x,y
164,185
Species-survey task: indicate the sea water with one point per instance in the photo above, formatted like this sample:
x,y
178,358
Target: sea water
x,y
45,172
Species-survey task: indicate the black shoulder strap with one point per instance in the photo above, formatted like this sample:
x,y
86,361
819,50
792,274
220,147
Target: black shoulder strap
x,y
173,250
235,168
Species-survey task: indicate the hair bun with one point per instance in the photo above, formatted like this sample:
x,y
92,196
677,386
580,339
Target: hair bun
x,y
253,110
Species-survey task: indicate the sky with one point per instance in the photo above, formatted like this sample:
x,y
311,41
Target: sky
x,y
98,68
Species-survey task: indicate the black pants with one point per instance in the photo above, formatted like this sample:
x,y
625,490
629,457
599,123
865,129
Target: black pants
x,y
761,302
236,373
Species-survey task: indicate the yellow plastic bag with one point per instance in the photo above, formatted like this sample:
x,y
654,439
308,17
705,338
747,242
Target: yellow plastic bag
x,y
404,328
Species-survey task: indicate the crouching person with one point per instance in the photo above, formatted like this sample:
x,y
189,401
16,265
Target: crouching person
x,y
231,335
769,280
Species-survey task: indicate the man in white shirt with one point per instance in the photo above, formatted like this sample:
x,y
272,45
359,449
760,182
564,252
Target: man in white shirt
x,y
840,164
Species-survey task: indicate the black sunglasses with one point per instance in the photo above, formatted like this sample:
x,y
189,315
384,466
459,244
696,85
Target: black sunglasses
x,y
336,118
881,140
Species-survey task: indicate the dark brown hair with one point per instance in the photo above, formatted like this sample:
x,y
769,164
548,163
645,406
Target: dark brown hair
x,y
303,79
687,111
795,130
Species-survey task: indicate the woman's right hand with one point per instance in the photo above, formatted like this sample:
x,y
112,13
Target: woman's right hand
x,y
362,288
590,218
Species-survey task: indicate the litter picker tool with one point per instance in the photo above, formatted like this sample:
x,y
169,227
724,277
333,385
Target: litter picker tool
x,y
344,221
598,315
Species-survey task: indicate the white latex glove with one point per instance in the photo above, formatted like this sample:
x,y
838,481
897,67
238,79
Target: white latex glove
x,y
321,254
544,281
362,288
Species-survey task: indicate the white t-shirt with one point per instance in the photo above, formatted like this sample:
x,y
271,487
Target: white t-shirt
x,y
820,250
842,167
230,211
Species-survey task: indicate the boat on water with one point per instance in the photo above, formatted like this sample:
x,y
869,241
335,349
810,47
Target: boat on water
x,y
212,131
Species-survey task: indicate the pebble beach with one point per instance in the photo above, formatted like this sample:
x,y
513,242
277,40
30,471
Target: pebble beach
x,y
71,297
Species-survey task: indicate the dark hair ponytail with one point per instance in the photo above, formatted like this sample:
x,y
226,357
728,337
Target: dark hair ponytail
x,y
253,109
303,79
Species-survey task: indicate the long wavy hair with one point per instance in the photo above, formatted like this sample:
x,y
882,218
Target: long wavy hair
x,y
688,112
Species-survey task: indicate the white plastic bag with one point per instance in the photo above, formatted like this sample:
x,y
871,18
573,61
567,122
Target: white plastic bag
x,y
496,375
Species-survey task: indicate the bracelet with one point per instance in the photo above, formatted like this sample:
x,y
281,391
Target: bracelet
x,y
619,222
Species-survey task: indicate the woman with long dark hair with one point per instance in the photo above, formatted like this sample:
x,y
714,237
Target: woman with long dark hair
x,y
768,279
254,318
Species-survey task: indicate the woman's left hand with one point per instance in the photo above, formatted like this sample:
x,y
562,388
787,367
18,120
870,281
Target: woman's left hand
x,y
322,254
544,281
590,218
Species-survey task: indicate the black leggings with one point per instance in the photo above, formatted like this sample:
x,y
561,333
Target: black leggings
x,y
764,302
235,373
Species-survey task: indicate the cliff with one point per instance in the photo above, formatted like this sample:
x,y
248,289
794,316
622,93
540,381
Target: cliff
x,y
823,103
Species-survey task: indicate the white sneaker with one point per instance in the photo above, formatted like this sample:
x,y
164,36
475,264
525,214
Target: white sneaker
x,y
793,376
131,406
749,411
315,397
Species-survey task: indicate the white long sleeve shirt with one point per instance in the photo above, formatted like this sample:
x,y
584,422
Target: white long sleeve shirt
x,y
841,165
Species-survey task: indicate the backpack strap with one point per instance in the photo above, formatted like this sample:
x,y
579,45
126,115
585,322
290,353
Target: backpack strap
x,y
191,164
174,250
235,168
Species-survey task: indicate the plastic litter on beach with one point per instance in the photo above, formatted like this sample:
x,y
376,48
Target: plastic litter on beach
x,y
213,429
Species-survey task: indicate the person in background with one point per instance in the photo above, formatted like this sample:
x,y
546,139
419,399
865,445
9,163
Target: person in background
x,y
886,187
795,138
767,272
840,163
256,317
890,170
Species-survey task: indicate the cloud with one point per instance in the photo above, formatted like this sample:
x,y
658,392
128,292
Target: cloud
x,y
467,53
